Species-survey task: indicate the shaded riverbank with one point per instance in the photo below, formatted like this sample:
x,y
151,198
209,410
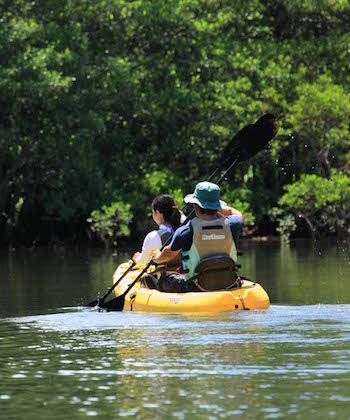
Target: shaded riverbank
x,y
302,272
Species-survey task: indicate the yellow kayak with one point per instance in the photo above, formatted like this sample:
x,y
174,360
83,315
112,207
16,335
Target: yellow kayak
x,y
250,296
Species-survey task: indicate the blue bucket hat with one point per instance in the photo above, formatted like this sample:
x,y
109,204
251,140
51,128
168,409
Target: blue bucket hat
x,y
207,196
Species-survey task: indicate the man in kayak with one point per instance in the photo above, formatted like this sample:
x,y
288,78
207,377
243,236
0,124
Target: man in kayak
x,y
213,232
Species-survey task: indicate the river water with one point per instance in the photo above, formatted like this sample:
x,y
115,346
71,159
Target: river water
x,y
60,361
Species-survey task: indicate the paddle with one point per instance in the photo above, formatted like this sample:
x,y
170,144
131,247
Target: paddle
x,y
253,139
101,301
245,144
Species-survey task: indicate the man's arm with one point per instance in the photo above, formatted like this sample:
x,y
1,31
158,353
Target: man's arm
x,y
164,256
182,239
230,211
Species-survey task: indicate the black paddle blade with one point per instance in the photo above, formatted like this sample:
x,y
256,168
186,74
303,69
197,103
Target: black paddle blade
x,y
100,302
116,304
251,139
93,303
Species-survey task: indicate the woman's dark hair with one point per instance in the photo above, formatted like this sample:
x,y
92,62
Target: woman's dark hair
x,y
165,204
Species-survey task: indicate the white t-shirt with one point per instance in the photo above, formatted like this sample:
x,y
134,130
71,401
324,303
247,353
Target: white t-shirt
x,y
151,242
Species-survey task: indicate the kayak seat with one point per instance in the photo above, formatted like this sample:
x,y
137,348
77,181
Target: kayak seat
x,y
217,272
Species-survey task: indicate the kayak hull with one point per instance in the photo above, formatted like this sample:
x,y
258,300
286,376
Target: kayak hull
x,y
250,296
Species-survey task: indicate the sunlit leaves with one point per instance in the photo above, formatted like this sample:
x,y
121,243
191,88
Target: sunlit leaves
x,y
321,116
323,203
111,222
122,100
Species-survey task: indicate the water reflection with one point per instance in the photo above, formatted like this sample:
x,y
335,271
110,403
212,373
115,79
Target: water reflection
x,y
291,360
280,361
299,273
40,280
302,272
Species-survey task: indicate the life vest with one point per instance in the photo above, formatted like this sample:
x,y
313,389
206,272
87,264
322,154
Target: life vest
x,y
209,238
164,235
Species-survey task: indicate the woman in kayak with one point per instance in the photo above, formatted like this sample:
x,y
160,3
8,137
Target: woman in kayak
x,y
168,218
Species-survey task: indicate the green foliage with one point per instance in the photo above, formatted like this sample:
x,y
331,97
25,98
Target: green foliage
x,y
111,222
311,191
164,182
320,116
324,204
123,100
240,199
286,222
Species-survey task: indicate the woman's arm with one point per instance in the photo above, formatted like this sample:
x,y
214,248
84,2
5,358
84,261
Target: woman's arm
x,y
151,242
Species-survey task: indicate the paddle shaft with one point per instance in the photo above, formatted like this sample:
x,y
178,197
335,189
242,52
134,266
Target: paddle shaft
x,y
188,218
98,301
